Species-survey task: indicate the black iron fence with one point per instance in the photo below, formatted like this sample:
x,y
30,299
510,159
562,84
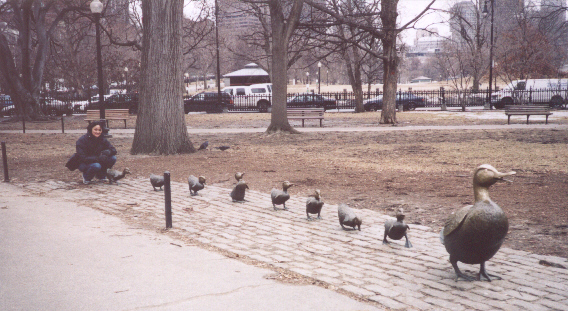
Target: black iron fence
x,y
556,98
430,98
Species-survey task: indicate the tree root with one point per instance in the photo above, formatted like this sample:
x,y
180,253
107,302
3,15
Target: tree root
x,y
287,128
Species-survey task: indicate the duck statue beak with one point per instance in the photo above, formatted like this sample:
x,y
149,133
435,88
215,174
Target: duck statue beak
x,y
501,176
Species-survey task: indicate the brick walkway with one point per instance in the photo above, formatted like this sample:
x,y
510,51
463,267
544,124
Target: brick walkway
x,y
397,278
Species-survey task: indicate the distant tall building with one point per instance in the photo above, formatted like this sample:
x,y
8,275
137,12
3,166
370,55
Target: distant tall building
x,y
119,8
236,18
463,20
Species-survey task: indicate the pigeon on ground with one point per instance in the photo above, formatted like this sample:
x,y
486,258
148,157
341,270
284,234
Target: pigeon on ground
x,y
204,146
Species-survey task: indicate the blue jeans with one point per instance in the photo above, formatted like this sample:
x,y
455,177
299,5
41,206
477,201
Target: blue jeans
x,y
96,169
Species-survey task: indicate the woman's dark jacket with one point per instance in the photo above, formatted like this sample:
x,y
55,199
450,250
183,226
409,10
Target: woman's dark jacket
x,y
90,149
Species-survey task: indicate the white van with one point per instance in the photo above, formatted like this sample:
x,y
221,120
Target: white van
x,y
537,91
258,95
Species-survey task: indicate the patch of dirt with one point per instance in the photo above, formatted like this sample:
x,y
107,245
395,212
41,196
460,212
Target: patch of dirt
x,y
428,173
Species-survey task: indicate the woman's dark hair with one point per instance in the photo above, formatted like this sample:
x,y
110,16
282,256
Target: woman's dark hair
x,y
93,124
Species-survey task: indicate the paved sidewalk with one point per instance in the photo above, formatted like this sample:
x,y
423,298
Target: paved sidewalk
x,y
419,278
130,132
57,255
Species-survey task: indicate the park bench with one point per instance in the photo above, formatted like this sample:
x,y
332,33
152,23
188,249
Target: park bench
x,y
306,113
528,110
110,114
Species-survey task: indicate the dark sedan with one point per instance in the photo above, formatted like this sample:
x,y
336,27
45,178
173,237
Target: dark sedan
x,y
311,100
209,102
409,101
119,101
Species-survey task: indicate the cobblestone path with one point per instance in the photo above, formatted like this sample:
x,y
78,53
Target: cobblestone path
x,y
419,278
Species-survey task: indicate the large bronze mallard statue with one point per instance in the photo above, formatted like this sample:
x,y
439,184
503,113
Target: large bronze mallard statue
x,y
475,233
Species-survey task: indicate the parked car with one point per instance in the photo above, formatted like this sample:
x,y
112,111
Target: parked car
x,y
258,95
5,100
535,91
409,101
7,111
311,100
54,107
118,101
209,102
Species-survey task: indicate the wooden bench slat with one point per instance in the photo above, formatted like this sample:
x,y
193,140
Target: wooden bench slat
x,y
527,110
306,114
110,114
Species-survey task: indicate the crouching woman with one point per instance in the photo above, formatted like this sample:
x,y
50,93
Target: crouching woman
x,y
94,153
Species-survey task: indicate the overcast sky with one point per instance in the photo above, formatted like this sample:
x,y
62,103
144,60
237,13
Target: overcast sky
x,y
408,9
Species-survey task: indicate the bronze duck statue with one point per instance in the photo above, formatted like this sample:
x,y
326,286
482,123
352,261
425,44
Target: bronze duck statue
x,y
157,181
195,184
115,175
238,193
239,176
475,233
396,229
314,205
347,217
281,196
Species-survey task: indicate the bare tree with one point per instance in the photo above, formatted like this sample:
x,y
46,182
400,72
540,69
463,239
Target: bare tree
x,y
469,39
35,22
284,18
160,126
348,40
524,51
387,33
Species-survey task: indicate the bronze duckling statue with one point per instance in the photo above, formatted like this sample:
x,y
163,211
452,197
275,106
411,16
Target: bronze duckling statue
x,y
314,205
239,176
115,176
475,233
396,229
157,181
347,217
195,184
281,196
238,193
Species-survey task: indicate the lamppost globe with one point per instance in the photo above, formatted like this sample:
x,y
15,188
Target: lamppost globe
x,y
96,7
319,77
126,78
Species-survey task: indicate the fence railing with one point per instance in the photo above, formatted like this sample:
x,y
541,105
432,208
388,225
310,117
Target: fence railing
x,y
432,98
346,100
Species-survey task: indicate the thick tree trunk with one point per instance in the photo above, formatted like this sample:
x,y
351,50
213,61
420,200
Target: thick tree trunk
x,y
282,29
23,81
279,116
388,17
160,127
353,64
24,101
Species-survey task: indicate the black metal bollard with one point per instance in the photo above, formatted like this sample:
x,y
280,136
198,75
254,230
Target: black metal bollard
x,y
62,126
168,198
5,162
24,124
